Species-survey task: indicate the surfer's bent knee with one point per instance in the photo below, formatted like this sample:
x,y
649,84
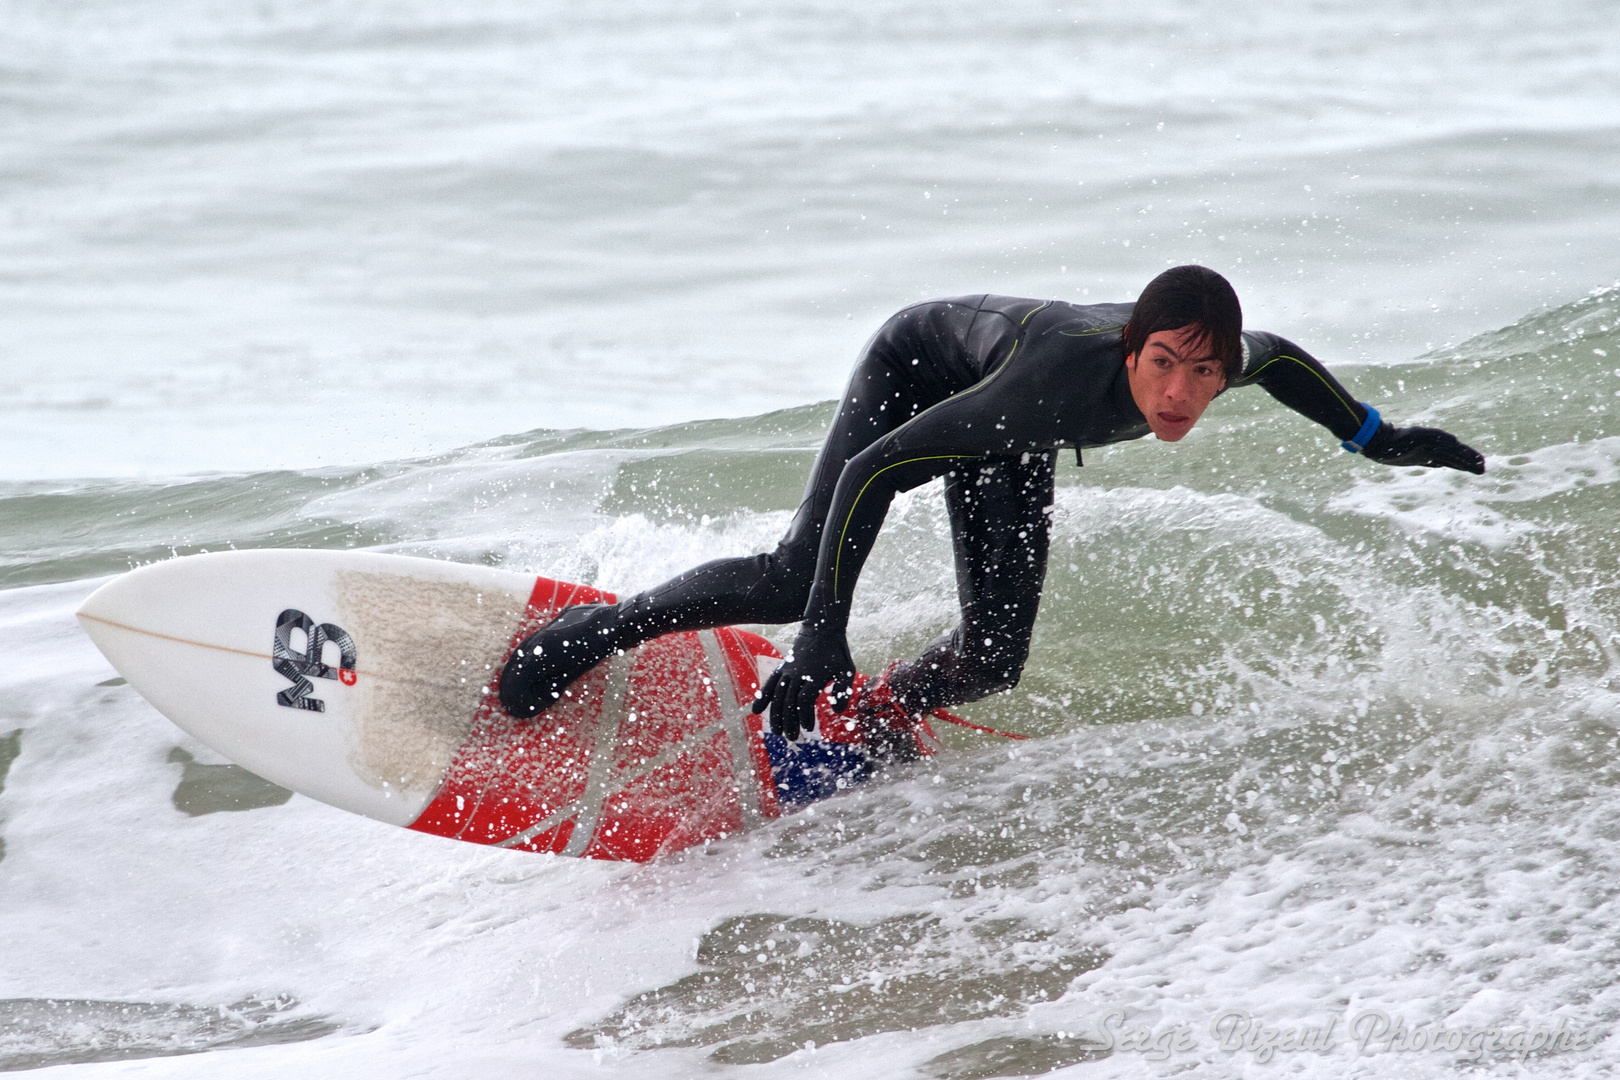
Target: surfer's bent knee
x,y
988,669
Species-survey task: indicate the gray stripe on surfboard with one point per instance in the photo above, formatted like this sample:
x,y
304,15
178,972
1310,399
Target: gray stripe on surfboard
x,y
620,780
691,741
601,767
734,717
587,808
549,822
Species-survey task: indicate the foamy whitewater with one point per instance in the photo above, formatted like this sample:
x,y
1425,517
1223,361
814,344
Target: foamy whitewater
x,y
1326,764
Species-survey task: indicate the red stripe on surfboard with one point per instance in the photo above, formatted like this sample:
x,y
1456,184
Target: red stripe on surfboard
x,y
769,806
741,649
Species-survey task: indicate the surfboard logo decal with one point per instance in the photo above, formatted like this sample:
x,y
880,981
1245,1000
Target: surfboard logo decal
x,y
297,666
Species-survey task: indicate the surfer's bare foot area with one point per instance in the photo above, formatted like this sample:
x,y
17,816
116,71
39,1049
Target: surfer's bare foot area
x,y
551,659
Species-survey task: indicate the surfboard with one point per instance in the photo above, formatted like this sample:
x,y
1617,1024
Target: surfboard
x,y
368,681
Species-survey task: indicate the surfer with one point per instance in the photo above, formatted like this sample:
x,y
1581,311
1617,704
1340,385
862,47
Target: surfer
x,y
984,391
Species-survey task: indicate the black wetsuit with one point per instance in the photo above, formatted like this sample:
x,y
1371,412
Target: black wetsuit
x,y
982,390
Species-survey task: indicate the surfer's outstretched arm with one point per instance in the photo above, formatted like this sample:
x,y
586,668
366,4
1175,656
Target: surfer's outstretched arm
x,y
1298,380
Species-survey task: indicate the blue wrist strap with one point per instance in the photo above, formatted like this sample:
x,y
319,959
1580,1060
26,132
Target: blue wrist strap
x,y
1369,427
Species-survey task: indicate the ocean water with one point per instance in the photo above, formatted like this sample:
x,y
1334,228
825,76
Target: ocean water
x,y
568,290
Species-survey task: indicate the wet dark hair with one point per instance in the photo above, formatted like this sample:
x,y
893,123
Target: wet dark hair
x,y
1184,295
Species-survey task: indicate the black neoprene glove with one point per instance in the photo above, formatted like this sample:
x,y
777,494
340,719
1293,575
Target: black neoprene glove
x,y
1430,447
818,657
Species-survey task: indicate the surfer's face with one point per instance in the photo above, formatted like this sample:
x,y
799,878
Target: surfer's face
x,y
1173,380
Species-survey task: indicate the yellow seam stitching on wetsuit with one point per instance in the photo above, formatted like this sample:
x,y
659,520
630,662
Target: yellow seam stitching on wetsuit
x,y
838,561
1091,333
1017,341
1348,407
1033,311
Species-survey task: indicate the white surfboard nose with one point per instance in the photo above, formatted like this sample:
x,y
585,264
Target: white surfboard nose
x,y
106,603
122,602
99,616
197,637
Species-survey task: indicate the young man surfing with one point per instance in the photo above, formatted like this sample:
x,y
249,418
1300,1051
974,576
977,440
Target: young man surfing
x,y
984,391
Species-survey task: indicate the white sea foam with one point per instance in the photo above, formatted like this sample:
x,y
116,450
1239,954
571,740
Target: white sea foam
x,y
1454,506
